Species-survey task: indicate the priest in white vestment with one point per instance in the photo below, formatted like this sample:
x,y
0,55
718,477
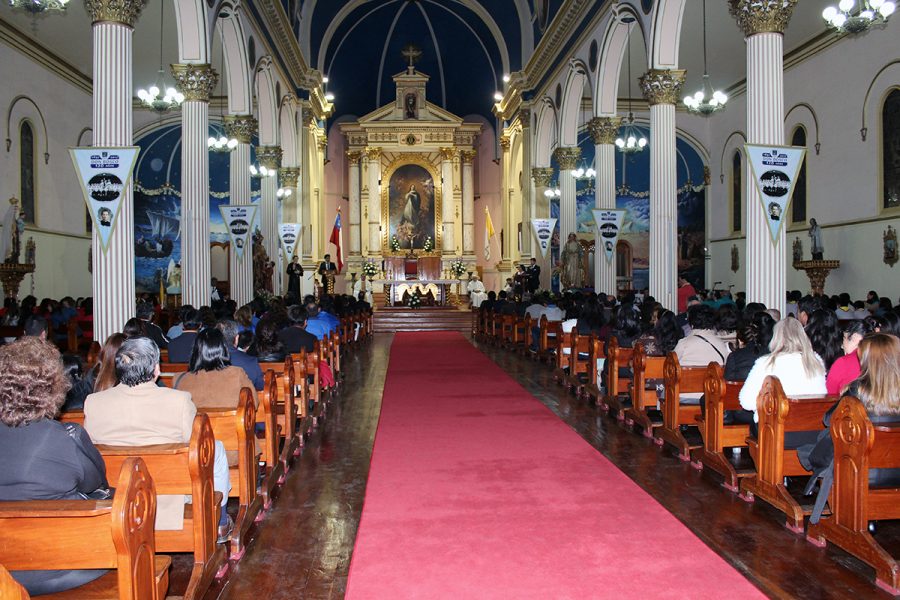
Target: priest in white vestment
x,y
477,295
363,285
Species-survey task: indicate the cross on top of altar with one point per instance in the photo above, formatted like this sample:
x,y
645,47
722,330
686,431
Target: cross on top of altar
x,y
412,53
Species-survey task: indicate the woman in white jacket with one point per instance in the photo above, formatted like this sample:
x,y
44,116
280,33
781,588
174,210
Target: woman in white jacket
x,y
791,359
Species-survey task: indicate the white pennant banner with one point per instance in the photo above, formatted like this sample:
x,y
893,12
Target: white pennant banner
x,y
290,236
543,233
774,170
104,174
609,225
238,221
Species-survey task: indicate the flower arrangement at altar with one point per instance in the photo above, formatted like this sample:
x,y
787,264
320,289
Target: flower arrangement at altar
x,y
370,269
458,268
415,300
428,245
395,243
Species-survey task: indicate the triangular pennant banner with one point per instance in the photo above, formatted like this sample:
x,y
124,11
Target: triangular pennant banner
x,y
609,226
774,169
104,174
543,233
290,236
238,221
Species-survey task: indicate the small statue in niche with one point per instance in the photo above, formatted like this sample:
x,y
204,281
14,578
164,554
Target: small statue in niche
x,y
735,259
890,246
13,230
30,251
410,103
797,250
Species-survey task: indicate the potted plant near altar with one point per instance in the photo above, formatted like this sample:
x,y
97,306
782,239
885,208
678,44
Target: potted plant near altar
x,y
458,268
428,245
395,243
370,269
415,300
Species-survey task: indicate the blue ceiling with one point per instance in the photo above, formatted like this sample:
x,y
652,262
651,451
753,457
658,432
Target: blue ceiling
x,y
464,59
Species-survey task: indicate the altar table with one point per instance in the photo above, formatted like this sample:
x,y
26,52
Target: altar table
x,y
394,289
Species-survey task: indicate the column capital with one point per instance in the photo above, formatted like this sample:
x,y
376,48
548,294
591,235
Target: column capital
x,y
467,156
309,120
125,12
322,143
269,156
761,17
604,129
354,155
241,127
289,176
542,176
567,157
195,81
448,153
504,143
373,153
662,86
525,117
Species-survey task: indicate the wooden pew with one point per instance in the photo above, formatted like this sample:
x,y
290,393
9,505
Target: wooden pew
x,y
642,399
596,352
561,359
522,334
616,358
578,367
10,588
778,415
265,414
679,380
235,428
860,445
286,409
91,534
184,469
550,340
721,395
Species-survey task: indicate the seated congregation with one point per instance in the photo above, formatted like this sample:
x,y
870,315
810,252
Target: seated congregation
x,y
800,411
173,437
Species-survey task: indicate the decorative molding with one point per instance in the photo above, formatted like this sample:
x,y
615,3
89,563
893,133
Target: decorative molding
x,y
542,176
125,12
31,48
662,86
864,130
724,148
289,176
241,127
567,157
195,81
761,16
604,129
269,156
9,111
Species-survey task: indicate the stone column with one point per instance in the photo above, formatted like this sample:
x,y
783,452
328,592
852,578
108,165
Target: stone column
x,y
290,180
527,189
113,270
604,131
542,177
196,82
509,229
468,202
373,175
304,201
240,272
567,157
353,157
448,244
763,25
270,158
662,90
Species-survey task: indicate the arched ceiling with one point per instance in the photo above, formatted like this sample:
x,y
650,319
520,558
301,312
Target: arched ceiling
x,y
467,46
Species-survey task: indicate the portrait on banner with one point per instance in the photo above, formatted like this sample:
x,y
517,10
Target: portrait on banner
x,y
411,206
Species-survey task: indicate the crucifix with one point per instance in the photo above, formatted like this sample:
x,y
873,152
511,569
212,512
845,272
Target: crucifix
x,y
411,53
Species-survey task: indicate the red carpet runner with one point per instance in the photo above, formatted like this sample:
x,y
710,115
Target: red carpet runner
x,y
477,490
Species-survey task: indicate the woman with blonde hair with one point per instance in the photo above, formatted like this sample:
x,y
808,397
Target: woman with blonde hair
x,y
791,359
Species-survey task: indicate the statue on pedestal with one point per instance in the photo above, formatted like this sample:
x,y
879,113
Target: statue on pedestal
x,y
571,273
13,230
815,237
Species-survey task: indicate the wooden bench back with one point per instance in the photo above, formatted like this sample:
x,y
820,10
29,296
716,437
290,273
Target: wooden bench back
x,y
10,588
169,372
719,396
596,352
89,534
579,344
265,414
644,368
616,358
235,428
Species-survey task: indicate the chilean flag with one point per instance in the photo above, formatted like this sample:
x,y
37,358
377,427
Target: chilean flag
x,y
336,240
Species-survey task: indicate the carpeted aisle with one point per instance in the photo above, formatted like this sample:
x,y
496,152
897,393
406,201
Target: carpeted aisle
x,y
477,490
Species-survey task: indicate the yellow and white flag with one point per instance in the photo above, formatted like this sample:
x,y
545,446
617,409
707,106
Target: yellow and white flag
x,y
488,233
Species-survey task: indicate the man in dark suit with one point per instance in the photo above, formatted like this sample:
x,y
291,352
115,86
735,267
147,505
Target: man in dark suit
x,y
534,276
180,348
144,313
327,270
239,358
295,338
361,303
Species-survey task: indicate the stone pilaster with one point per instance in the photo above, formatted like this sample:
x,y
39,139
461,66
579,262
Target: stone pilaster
x,y
448,244
270,158
763,25
604,131
113,270
468,201
373,175
196,82
662,90
567,158
353,157
528,205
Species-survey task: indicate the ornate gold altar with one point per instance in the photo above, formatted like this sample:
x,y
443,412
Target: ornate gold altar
x,y
817,271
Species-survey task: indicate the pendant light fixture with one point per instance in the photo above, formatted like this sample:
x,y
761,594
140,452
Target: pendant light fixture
x,y
706,100
632,140
160,97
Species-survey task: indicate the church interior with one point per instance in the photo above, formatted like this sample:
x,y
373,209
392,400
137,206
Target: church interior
x,y
476,298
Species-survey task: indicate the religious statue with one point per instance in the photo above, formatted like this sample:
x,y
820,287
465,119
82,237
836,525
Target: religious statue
x,y
13,230
815,236
890,246
571,271
410,106
797,250
735,258
173,278
30,251
260,264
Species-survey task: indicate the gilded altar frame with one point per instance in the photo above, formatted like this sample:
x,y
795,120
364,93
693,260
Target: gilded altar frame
x,y
402,160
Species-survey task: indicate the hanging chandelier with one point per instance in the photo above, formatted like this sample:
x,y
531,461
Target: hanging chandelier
x,y
260,172
868,13
159,97
632,140
552,191
706,100
284,192
222,144
583,174
36,7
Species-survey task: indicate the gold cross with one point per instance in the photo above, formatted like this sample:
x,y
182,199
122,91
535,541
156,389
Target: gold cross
x,y
411,53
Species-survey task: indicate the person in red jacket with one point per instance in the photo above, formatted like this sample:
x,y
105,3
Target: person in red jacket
x,y
685,291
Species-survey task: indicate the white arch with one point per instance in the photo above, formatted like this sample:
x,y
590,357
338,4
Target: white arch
x,y
545,133
237,69
612,50
286,119
576,80
266,103
665,34
191,18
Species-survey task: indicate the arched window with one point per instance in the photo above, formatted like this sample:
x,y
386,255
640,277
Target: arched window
x,y
737,192
26,170
890,133
798,203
